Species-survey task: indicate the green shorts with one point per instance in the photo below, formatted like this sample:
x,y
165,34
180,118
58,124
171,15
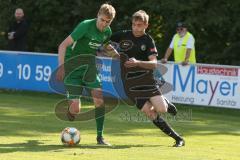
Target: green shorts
x,y
80,72
74,85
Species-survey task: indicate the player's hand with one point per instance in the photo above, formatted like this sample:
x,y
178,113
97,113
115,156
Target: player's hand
x,y
60,73
164,60
11,35
111,51
132,62
185,62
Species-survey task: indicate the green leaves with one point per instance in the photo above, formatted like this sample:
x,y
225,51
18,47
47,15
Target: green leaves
x,y
214,24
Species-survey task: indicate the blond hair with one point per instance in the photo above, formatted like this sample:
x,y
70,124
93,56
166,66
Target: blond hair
x,y
108,10
141,15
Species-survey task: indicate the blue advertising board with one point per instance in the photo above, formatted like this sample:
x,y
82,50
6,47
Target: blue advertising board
x,y
32,71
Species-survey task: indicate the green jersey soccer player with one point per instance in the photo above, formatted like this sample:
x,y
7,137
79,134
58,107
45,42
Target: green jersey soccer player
x,y
76,56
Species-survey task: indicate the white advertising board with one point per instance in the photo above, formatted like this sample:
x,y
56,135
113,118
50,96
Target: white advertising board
x,y
204,84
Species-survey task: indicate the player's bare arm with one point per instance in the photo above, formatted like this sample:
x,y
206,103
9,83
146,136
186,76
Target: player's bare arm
x,y
151,64
167,55
61,54
187,56
111,51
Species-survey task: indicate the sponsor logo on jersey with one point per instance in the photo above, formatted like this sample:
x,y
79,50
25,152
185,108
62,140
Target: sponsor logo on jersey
x,y
126,45
143,47
94,45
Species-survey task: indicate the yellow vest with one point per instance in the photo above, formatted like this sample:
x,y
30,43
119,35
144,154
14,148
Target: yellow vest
x,y
180,51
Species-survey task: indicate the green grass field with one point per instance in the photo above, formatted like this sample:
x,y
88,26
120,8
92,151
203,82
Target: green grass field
x,y
29,129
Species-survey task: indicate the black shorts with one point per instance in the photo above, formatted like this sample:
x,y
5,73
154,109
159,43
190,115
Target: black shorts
x,y
139,96
139,83
140,102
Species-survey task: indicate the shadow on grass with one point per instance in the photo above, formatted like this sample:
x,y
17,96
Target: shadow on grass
x,y
37,146
30,146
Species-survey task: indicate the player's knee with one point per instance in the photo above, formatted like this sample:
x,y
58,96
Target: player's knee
x,y
161,109
98,102
74,107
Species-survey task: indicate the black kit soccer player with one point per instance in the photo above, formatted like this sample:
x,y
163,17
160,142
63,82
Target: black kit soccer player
x,y
138,59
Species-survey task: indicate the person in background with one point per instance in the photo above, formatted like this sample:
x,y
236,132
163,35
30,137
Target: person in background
x,y
17,32
182,45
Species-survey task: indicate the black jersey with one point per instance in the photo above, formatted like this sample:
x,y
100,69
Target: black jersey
x,y
138,82
138,47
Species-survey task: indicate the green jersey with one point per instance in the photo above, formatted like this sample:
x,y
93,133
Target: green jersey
x,y
87,39
80,62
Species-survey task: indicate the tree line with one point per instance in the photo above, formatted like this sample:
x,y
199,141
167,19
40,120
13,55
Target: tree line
x,y
214,24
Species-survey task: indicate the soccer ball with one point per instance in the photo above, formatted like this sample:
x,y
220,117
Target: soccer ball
x,y
70,136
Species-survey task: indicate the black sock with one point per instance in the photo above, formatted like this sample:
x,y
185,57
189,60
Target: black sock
x,y
162,125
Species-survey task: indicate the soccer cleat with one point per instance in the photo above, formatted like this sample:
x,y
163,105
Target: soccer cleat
x,y
171,108
179,143
101,141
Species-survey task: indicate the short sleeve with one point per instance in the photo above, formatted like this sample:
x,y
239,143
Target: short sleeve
x,y
190,42
79,31
152,50
171,44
